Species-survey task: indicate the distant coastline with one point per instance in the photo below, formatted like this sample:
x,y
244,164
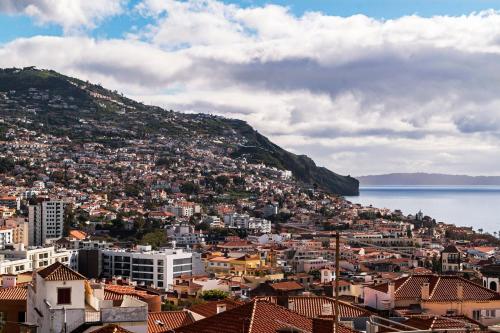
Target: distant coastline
x,y
421,178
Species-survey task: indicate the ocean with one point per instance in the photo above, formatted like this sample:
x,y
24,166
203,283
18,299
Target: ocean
x,y
476,206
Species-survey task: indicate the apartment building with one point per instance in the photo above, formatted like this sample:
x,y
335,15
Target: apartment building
x,y
10,201
183,209
46,221
22,259
6,236
20,230
148,267
244,221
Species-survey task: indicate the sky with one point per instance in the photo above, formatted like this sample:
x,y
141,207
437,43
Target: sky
x,y
361,86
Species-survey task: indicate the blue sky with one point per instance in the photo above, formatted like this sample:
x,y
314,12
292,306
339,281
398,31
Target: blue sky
x,y
15,26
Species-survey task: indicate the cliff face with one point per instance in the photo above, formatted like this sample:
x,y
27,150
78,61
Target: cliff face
x,y
261,149
56,104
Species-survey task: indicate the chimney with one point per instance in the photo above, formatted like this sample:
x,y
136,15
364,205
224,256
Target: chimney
x,y
327,309
425,292
282,300
9,281
460,290
221,308
391,290
323,325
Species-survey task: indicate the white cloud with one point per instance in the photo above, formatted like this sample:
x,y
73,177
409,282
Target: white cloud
x,y
72,15
357,94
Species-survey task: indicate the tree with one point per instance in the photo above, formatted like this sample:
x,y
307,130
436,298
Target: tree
x,y
205,226
222,180
239,181
6,164
155,239
168,306
214,295
315,273
190,188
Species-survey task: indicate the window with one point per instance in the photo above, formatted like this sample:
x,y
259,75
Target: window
x,y
63,296
476,314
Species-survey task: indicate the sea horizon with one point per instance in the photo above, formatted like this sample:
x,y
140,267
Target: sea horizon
x,y
462,205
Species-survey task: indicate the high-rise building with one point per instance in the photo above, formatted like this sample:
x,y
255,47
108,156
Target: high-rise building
x,y
46,221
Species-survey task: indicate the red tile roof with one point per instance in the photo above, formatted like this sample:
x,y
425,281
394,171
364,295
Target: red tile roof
x,y
111,328
253,317
442,288
60,272
18,293
165,321
78,234
287,286
209,309
314,306
116,292
426,322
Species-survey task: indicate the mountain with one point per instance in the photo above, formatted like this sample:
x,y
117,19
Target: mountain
x,y
427,179
52,103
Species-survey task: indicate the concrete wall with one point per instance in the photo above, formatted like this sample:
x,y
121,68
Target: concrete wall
x,y
112,315
77,291
374,298
466,308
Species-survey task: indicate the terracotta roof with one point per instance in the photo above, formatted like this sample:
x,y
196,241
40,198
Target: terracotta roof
x,y
18,293
441,288
60,272
209,309
116,292
161,322
287,285
254,317
78,234
111,328
451,249
426,322
314,306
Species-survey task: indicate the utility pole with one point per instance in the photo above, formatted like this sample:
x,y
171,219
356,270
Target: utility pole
x,y
337,274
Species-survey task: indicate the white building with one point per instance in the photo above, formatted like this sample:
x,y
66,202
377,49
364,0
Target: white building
x,y
62,300
244,221
186,235
46,221
6,237
22,260
144,266
183,209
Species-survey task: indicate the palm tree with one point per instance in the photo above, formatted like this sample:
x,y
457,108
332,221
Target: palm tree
x,y
480,230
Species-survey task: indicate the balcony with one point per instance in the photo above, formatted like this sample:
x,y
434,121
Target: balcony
x,y
452,261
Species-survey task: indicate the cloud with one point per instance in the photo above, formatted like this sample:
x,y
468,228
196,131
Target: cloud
x,y
359,95
72,15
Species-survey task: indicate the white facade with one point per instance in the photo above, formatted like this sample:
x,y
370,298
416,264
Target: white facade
x,y
26,260
82,305
244,221
46,221
156,268
6,237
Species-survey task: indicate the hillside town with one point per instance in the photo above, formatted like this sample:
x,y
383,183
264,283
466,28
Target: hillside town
x,y
175,234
